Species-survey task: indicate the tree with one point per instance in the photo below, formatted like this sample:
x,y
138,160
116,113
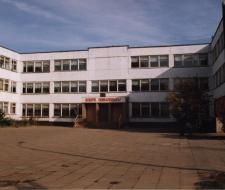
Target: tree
x,y
189,103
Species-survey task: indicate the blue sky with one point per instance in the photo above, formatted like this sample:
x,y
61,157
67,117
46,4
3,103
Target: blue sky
x,y
45,25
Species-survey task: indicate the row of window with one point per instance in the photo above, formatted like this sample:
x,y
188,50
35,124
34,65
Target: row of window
x,y
191,60
35,110
150,84
109,86
150,109
8,107
218,48
138,85
219,77
71,65
203,83
7,63
7,86
149,61
37,88
36,66
70,87
67,110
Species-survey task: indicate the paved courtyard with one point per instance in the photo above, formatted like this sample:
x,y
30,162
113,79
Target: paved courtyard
x,y
57,157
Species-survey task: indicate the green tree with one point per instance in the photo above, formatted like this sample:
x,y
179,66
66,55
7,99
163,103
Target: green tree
x,y
189,103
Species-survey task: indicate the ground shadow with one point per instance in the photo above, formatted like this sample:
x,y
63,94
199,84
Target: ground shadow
x,y
212,180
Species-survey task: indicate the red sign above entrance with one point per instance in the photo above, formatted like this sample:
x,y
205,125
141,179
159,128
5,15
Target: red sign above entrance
x,y
104,100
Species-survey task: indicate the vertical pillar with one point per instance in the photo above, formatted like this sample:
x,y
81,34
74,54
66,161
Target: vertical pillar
x,y
97,114
109,113
84,111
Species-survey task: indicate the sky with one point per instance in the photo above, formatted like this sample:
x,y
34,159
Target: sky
x,y
51,25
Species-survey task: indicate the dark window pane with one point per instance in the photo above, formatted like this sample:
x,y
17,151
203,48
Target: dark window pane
x,y
73,110
155,109
74,65
178,61
82,64
154,84
203,59
145,110
122,85
57,110
82,86
154,61
30,110
37,111
135,85
136,110
30,67
66,65
164,61
37,87
135,62
46,87
58,65
164,84
164,110
65,86
57,86
144,61
38,67
65,110
104,86
145,85
74,86
45,110
95,86
29,87
188,60
113,86
46,66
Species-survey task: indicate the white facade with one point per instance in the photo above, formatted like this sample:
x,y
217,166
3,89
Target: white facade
x,y
103,63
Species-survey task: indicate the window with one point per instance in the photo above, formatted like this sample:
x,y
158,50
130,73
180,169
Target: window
x,y
104,86
45,86
29,88
164,60
29,110
178,61
164,109
164,84
65,110
155,109
37,110
7,63
95,86
135,62
188,61
144,61
57,86
203,59
136,110
2,62
6,85
57,110
65,87
145,110
82,86
113,86
82,64
74,86
74,110
122,85
154,84
135,85
13,87
46,66
12,108
1,84
57,65
4,107
66,65
14,65
74,65
145,85
37,87
45,110
30,67
154,61
38,67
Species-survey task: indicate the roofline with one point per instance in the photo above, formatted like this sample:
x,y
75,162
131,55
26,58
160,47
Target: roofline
x,y
214,35
99,47
9,49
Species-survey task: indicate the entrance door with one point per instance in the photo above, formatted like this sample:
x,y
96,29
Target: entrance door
x,y
91,112
103,113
